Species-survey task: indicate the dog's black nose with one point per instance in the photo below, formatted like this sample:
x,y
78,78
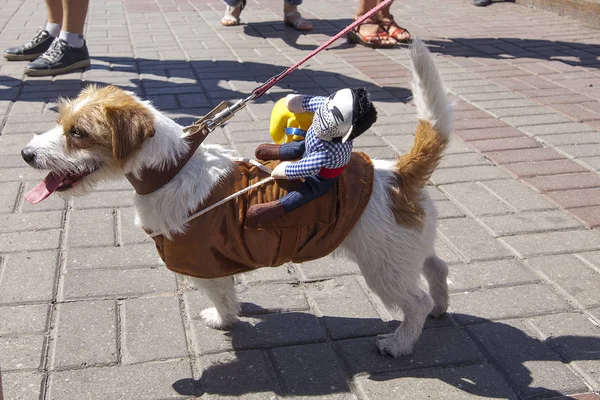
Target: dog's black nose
x,y
28,154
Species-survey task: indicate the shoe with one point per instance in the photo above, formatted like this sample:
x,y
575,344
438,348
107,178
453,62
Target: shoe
x,y
399,33
32,49
60,58
260,213
268,152
482,3
232,14
300,23
379,40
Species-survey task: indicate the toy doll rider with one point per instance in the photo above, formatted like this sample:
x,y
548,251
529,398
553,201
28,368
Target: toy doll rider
x,y
323,154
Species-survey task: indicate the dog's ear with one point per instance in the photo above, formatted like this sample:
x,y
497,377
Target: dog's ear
x,y
130,125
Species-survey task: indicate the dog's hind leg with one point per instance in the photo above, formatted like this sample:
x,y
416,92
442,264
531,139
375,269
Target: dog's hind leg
x,y
435,271
221,291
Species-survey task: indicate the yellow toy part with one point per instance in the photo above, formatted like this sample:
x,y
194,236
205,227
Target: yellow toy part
x,y
282,118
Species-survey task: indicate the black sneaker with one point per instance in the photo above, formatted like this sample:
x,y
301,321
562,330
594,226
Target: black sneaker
x,y
482,3
60,58
32,49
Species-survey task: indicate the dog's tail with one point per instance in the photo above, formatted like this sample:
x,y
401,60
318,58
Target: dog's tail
x,y
435,114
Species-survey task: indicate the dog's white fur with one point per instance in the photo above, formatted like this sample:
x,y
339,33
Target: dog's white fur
x,y
391,257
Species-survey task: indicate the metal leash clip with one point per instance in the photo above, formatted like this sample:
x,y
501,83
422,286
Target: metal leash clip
x,y
216,117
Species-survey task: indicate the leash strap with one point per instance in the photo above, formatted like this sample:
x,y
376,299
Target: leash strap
x,y
259,91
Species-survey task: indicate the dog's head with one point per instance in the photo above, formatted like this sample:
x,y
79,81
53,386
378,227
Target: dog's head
x,y
96,134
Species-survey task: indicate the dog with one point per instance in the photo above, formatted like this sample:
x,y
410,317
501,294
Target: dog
x,y
105,133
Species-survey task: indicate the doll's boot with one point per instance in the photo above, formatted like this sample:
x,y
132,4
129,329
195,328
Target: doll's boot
x,y
268,152
260,213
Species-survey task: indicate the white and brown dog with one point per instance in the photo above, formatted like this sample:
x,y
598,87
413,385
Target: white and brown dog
x,y
105,133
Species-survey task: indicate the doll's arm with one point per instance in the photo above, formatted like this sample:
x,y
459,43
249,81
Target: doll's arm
x,y
307,166
298,103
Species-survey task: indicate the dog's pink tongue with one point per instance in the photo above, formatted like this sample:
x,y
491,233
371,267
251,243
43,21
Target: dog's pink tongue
x,y
44,188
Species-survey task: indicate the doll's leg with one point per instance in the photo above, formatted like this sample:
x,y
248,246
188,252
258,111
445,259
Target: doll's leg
x,y
311,189
284,152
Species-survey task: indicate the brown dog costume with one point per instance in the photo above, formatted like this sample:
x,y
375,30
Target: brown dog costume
x,y
218,243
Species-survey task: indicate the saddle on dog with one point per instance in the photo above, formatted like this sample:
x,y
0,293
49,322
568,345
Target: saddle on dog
x,y
218,243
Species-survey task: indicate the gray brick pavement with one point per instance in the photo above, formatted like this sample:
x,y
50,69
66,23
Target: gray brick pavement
x,y
87,310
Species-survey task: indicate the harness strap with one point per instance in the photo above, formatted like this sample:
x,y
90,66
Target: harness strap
x,y
231,196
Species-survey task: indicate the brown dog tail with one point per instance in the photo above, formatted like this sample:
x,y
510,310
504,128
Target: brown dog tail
x,y
436,117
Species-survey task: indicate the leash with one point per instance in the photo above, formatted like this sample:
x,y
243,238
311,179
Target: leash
x,y
228,112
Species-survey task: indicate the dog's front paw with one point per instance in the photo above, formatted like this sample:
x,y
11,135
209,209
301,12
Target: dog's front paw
x,y
390,344
438,310
213,319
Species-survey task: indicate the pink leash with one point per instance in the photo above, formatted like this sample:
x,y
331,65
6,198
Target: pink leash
x,y
226,114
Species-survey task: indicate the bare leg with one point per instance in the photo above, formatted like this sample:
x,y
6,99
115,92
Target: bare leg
x,y
74,15
387,20
221,292
54,9
370,27
436,271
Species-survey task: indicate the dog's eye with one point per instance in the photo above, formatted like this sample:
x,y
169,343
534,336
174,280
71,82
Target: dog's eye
x,y
76,133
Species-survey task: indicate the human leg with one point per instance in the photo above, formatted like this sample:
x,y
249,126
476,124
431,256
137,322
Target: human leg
x,y
232,12
43,39
386,20
369,33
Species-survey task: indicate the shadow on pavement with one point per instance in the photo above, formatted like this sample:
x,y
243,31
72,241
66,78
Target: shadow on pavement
x,y
446,352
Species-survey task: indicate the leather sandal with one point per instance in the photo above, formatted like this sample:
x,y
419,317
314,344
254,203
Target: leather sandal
x,y
394,30
373,40
301,23
232,14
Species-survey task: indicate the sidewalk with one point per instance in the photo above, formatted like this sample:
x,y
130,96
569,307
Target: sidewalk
x,y
87,311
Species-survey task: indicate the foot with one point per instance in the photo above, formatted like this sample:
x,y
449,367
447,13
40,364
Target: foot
x,y
60,58
390,344
260,213
297,21
394,30
482,3
213,319
30,50
370,34
232,15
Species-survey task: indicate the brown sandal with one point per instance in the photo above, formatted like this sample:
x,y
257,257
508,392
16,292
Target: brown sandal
x,y
388,23
373,40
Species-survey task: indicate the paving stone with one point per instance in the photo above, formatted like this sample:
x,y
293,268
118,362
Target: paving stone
x,y
8,195
476,198
312,370
115,198
358,317
530,120
22,385
86,334
589,215
262,299
467,174
30,240
462,160
131,233
576,198
152,330
571,275
22,352
505,302
488,134
326,267
581,150
505,144
565,182
488,274
31,221
540,168
446,253
572,138
23,319
284,273
529,222
554,242
128,256
471,240
50,204
529,363
518,195
446,209
553,129
435,347
143,381
82,284
521,111
452,383
28,277
524,155
243,373
259,331
103,233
